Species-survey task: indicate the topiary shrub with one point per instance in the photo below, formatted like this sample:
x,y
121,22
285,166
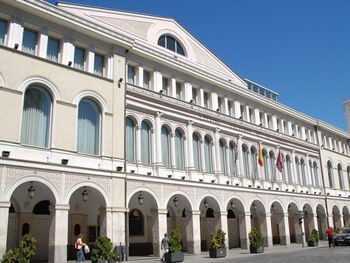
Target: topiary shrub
x,y
103,250
23,253
217,239
175,241
314,235
256,238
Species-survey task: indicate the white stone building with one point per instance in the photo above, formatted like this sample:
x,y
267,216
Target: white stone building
x,y
124,124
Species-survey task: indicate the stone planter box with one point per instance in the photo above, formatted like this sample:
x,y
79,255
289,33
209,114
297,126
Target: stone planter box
x,y
217,253
256,249
174,257
312,243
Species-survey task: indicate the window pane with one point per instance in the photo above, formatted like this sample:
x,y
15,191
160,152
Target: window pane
x,y
52,49
161,41
36,117
196,153
165,84
98,64
129,140
170,43
208,155
146,79
179,49
29,41
165,147
178,90
131,74
88,127
145,143
79,58
2,32
179,156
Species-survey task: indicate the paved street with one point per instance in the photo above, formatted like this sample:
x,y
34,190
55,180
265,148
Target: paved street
x,y
277,254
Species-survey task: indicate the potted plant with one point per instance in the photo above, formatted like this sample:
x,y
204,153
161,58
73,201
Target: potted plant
x,y
217,244
175,254
313,240
23,253
103,251
256,241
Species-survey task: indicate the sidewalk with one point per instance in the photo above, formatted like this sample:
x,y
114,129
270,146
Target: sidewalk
x,y
232,253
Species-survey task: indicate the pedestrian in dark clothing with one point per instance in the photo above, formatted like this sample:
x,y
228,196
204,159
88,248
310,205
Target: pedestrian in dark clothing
x,y
164,246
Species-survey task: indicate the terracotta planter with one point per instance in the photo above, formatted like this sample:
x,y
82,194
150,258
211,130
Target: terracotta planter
x,y
256,249
174,257
217,253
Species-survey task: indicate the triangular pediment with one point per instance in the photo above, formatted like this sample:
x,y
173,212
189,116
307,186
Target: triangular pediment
x,y
148,29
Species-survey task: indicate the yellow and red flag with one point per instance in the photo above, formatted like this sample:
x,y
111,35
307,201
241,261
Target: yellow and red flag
x,y
260,156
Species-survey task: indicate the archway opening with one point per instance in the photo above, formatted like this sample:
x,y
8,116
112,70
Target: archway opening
x,y
237,236
277,224
321,221
258,218
346,217
336,218
308,220
294,226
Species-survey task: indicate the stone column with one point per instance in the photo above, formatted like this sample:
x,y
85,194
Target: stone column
x,y
214,156
214,101
224,226
316,223
194,233
138,144
115,223
226,109
269,230
189,143
140,76
282,126
4,215
43,40
303,231
162,228
237,108
245,225
286,229
341,220
217,154
60,238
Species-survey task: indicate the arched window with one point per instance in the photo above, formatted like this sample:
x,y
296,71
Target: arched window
x,y
297,165
77,230
315,168
171,43
303,171
230,214
136,223
254,163
245,160
233,158
273,166
165,140
209,213
130,140
266,164
223,162
89,118
208,154
330,174
289,169
179,150
348,172
340,176
36,116
145,143
196,152
25,229
310,168
42,208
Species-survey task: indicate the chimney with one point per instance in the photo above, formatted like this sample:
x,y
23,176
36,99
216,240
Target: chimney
x,y
346,104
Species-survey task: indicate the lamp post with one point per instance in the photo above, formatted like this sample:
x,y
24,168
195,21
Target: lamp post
x,y
31,191
301,216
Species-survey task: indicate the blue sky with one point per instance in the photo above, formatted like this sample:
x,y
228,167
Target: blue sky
x,y
299,48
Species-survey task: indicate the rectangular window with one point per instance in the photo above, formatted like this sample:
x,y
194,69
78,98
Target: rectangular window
x,y
229,106
79,58
268,124
131,74
53,47
146,79
3,27
165,85
178,90
29,41
194,95
98,64
206,99
242,113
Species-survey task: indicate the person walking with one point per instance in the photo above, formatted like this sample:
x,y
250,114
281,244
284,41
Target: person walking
x,y
330,234
164,247
79,246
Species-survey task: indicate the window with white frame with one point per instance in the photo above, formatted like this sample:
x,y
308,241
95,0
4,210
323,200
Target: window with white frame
x,y
206,103
79,58
3,31
194,95
340,176
316,175
29,41
89,123
330,174
131,74
208,154
146,143
223,162
233,158
171,43
196,146
254,163
146,79
36,116
273,166
348,173
246,167
289,169
266,164
179,150
165,85
303,171
179,91
99,64
130,140
53,48
165,147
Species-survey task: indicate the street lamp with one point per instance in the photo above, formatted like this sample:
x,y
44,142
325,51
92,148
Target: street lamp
x,y
205,203
232,204
31,191
85,195
176,201
140,197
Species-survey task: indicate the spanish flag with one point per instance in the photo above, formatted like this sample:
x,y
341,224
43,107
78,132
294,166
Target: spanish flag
x,y
260,156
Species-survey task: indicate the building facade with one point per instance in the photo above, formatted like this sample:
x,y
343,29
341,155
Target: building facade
x,y
124,124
